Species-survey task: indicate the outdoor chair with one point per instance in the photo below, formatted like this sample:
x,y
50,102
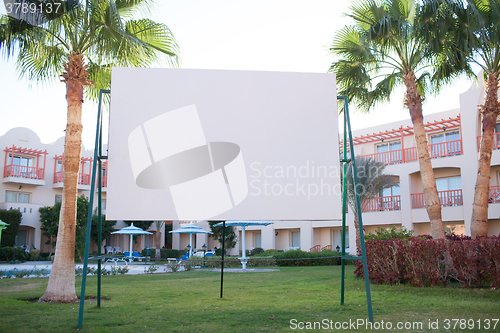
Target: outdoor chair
x,y
185,256
117,249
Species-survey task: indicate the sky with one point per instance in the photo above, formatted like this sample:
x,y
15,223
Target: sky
x,y
264,35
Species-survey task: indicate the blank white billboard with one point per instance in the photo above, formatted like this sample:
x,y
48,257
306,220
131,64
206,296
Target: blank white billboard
x,y
222,145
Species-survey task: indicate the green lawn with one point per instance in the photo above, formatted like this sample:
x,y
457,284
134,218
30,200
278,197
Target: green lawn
x,y
189,302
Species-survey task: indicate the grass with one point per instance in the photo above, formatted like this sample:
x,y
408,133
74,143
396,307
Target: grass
x,y
253,302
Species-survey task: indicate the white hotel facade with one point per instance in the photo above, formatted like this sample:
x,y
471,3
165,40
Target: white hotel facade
x,y
32,178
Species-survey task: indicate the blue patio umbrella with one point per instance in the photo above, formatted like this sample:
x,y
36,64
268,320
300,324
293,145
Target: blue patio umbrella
x,y
243,225
132,230
190,229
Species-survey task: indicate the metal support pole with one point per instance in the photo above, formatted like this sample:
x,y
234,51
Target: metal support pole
x,y
91,202
344,209
222,262
99,222
358,206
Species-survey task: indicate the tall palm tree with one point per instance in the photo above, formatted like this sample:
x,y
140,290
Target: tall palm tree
x,y
381,51
80,46
473,38
371,181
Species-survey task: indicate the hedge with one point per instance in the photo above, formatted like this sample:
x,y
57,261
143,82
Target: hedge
x,y
421,261
13,218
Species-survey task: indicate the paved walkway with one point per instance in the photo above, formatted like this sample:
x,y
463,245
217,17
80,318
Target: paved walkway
x,y
134,268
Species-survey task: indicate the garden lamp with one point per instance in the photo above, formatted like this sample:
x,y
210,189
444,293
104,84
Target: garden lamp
x,y
204,248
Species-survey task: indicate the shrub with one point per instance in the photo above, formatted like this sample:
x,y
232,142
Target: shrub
x,y
13,218
35,255
7,254
391,233
303,258
232,262
169,253
422,261
257,250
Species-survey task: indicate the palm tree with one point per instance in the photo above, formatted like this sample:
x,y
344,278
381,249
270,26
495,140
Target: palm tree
x,y
81,45
473,38
159,225
381,51
371,181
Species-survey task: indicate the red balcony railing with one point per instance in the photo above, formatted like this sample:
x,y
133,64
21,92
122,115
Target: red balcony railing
x,y
494,196
436,150
83,179
382,203
315,248
22,171
447,198
495,143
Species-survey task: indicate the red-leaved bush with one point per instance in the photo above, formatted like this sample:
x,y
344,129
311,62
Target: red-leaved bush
x,y
422,261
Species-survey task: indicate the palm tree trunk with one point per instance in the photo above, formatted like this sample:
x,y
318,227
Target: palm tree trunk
x,y
413,100
490,111
61,286
358,236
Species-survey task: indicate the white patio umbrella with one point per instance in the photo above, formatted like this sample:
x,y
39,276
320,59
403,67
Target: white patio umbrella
x,y
243,225
190,229
132,230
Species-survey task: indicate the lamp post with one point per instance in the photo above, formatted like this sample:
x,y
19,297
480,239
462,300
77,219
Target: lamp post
x,y
204,248
189,250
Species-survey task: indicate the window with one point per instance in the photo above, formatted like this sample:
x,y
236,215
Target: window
x,y
257,240
296,239
445,144
389,199
390,191
496,137
337,239
59,164
393,154
58,198
18,197
147,241
103,204
21,238
450,190
21,166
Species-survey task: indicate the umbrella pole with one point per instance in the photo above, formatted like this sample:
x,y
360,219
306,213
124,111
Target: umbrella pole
x,y
190,245
243,248
130,248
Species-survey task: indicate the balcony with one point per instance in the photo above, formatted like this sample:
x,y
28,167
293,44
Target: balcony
x,y
495,143
447,198
22,166
395,138
436,150
380,204
494,196
83,177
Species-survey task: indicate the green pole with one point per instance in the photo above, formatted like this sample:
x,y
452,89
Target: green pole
x,y
222,263
89,216
358,206
99,222
344,207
